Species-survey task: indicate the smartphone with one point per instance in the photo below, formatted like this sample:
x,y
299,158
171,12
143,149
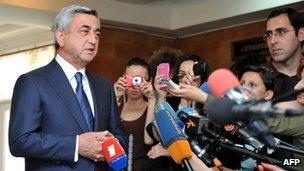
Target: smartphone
x,y
172,85
163,69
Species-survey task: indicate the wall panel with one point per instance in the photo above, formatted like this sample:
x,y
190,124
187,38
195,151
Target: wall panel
x,y
117,46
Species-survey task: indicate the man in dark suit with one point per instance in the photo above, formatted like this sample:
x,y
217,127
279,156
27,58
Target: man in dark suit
x,y
61,114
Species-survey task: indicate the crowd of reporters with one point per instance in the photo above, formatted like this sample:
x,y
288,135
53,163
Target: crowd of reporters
x,y
266,80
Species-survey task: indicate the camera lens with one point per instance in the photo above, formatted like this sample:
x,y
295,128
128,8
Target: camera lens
x,y
136,81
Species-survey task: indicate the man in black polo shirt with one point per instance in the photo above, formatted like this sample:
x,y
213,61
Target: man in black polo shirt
x,y
284,34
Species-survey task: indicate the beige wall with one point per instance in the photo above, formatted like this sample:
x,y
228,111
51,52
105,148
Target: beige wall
x,y
4,105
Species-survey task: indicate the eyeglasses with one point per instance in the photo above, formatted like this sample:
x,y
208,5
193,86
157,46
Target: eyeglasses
x,y
278,33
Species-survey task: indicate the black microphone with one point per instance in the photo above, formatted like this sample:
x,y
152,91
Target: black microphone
x,y
194,124
219,112
197,125
200,152
289,112
260,128
245,134
257,110
225,111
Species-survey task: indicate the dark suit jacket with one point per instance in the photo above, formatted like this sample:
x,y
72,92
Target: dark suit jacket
x,y
46,117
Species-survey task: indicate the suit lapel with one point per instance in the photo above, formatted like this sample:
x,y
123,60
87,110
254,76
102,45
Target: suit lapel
x,y
64,90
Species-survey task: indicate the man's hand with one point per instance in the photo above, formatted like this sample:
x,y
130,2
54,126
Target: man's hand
x,y
104,135
90,144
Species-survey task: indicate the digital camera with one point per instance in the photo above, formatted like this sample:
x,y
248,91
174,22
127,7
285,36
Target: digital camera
x,y
133,81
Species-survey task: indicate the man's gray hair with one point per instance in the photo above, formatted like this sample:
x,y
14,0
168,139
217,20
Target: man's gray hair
x,y
65,16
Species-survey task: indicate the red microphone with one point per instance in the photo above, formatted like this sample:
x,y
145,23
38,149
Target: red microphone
x,y
222,80
114,154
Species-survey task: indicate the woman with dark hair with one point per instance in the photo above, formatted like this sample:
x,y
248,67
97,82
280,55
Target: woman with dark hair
x,y
193,70
136,101
165,55
193,65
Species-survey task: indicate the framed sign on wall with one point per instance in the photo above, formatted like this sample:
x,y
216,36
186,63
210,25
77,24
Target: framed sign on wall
x,y
256,46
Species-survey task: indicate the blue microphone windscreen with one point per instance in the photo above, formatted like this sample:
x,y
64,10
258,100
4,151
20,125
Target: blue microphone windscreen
x,y
167,128
204,87
164,106
119,163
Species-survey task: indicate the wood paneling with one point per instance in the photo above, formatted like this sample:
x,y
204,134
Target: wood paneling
x,y
117,46
216,46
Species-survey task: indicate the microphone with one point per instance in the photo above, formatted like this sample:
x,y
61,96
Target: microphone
x,y
230,112
220,81
205,88
201,152
223,82
114,154
166,106
246,135
290,112
247,111
173,138
219,111
163,106
264,109
194,123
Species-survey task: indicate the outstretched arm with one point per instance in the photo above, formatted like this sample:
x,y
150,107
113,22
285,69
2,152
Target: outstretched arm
x,y
190,92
